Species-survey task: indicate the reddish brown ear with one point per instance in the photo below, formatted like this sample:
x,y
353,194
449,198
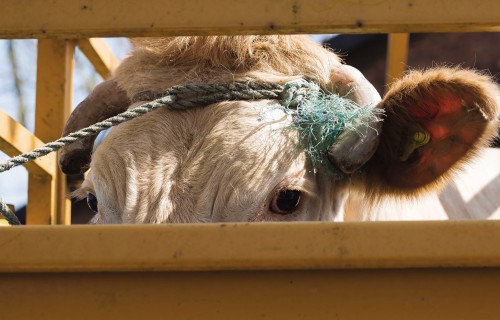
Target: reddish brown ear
x,y
435,121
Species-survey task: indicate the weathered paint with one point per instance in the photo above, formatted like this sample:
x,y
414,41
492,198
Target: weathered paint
x,y
421,270
257,246
69,19
411,294
47,198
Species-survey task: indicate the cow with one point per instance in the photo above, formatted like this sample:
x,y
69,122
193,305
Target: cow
x,y
238,161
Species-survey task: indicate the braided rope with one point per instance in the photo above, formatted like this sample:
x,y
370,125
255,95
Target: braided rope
x,y
7,214
217,94
319,116
263,89
212,93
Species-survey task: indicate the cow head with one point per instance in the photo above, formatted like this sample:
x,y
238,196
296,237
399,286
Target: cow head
x,y
237,161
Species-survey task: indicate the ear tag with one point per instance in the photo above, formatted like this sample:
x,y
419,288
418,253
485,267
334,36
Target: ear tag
x,y
420,138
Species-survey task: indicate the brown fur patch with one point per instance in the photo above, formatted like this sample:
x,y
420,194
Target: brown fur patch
x,y
459,108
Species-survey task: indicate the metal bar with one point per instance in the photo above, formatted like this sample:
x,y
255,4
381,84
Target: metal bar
x,y
414,294
397,56
100,55
67,19
16,139
47,199
275,246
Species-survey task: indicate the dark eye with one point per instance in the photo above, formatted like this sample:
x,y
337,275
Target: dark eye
x,y
92,202
285,202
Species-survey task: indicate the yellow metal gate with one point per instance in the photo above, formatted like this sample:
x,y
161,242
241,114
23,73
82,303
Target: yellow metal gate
x,y
425,270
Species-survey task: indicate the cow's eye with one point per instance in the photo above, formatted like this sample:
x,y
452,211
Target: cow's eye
x,y
285,202
92,202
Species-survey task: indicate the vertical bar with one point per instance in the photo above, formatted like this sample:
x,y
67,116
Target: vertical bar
x,y
397,56
47,199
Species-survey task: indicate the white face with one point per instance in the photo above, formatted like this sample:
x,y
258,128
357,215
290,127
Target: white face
x,y
235,161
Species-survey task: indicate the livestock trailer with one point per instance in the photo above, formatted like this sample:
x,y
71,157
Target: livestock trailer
x,y
378,270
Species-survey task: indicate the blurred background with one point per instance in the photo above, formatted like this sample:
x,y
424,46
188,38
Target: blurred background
x,y
17,99
368,53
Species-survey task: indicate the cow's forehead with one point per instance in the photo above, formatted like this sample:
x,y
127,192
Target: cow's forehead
x,y
167,157
239,123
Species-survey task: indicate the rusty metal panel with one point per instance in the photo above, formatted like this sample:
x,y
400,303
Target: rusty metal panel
x,y
47,198
84,19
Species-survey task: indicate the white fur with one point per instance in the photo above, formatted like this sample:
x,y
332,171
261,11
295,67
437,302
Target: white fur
x,y
219,163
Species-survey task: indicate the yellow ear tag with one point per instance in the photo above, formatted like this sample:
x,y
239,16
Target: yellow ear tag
x,y
419,139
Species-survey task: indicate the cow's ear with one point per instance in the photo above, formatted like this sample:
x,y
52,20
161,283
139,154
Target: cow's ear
x,y
435,121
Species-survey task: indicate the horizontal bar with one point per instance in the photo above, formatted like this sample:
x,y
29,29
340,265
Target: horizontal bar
x,y
250,246
412,294
16,139
99,55
128,18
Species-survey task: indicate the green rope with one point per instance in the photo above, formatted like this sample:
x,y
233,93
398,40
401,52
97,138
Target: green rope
x,y
320,117
296,97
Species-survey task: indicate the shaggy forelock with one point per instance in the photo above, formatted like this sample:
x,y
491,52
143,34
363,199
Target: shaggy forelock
x,y
159,63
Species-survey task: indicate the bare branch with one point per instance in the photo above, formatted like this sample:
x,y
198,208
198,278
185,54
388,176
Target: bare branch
x,y
18,83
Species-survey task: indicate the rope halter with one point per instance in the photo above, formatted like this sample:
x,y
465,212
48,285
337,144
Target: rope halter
x,y
318,116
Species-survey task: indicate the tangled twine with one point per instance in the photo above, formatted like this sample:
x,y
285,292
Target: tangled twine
x,y
319,117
